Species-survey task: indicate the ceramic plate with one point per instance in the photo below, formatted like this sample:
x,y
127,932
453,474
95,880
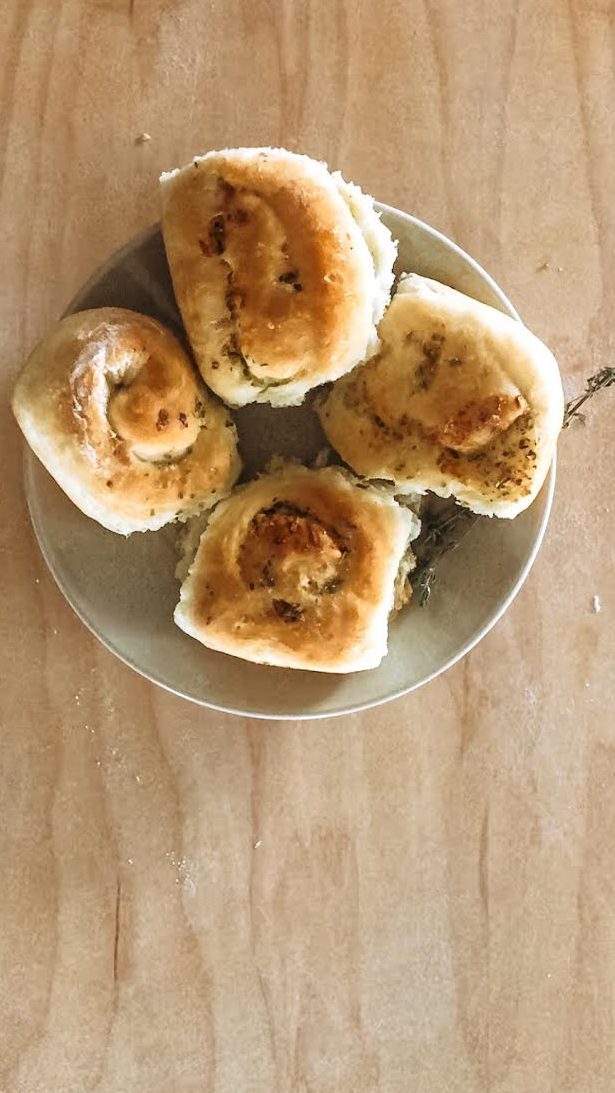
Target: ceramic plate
x,y
124,590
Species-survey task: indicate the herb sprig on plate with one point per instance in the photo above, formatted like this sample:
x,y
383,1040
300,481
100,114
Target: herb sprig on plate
x,y
442,532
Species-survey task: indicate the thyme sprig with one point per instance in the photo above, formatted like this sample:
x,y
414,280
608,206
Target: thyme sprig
x,y
572,410
442,533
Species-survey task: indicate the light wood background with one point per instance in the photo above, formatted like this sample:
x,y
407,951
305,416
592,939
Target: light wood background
x,y
419,899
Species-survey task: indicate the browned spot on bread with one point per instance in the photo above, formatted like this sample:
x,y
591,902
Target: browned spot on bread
x,y
288,612
476,423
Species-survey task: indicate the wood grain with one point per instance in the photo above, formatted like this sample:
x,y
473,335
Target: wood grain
x,y
417,898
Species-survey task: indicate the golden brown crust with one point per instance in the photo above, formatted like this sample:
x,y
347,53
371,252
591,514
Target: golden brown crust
x,y
112,406
298,569
272,271
460,399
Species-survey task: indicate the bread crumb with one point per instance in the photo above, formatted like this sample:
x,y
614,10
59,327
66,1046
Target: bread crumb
x,y
546,265
185,872
322,459
596,604
143,138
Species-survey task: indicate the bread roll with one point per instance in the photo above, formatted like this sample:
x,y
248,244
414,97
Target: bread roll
x,y
461,400
298,569
281,271
113,408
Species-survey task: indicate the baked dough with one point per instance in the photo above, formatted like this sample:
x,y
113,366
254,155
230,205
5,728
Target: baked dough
x,y
113,408
280,269
461,400
298,569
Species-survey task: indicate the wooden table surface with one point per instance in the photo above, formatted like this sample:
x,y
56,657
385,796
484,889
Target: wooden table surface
x,y
418,899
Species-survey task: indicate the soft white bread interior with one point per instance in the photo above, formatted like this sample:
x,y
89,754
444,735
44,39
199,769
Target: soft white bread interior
x,y
461,400
281,271
298,569
112,406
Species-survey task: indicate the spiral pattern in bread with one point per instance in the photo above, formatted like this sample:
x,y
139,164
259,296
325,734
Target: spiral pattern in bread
x,y
281,271
298,569
112,406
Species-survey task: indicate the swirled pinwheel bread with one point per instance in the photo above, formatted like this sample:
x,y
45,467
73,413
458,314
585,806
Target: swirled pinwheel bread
x,y
461,400
298,569
281,271
113,408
